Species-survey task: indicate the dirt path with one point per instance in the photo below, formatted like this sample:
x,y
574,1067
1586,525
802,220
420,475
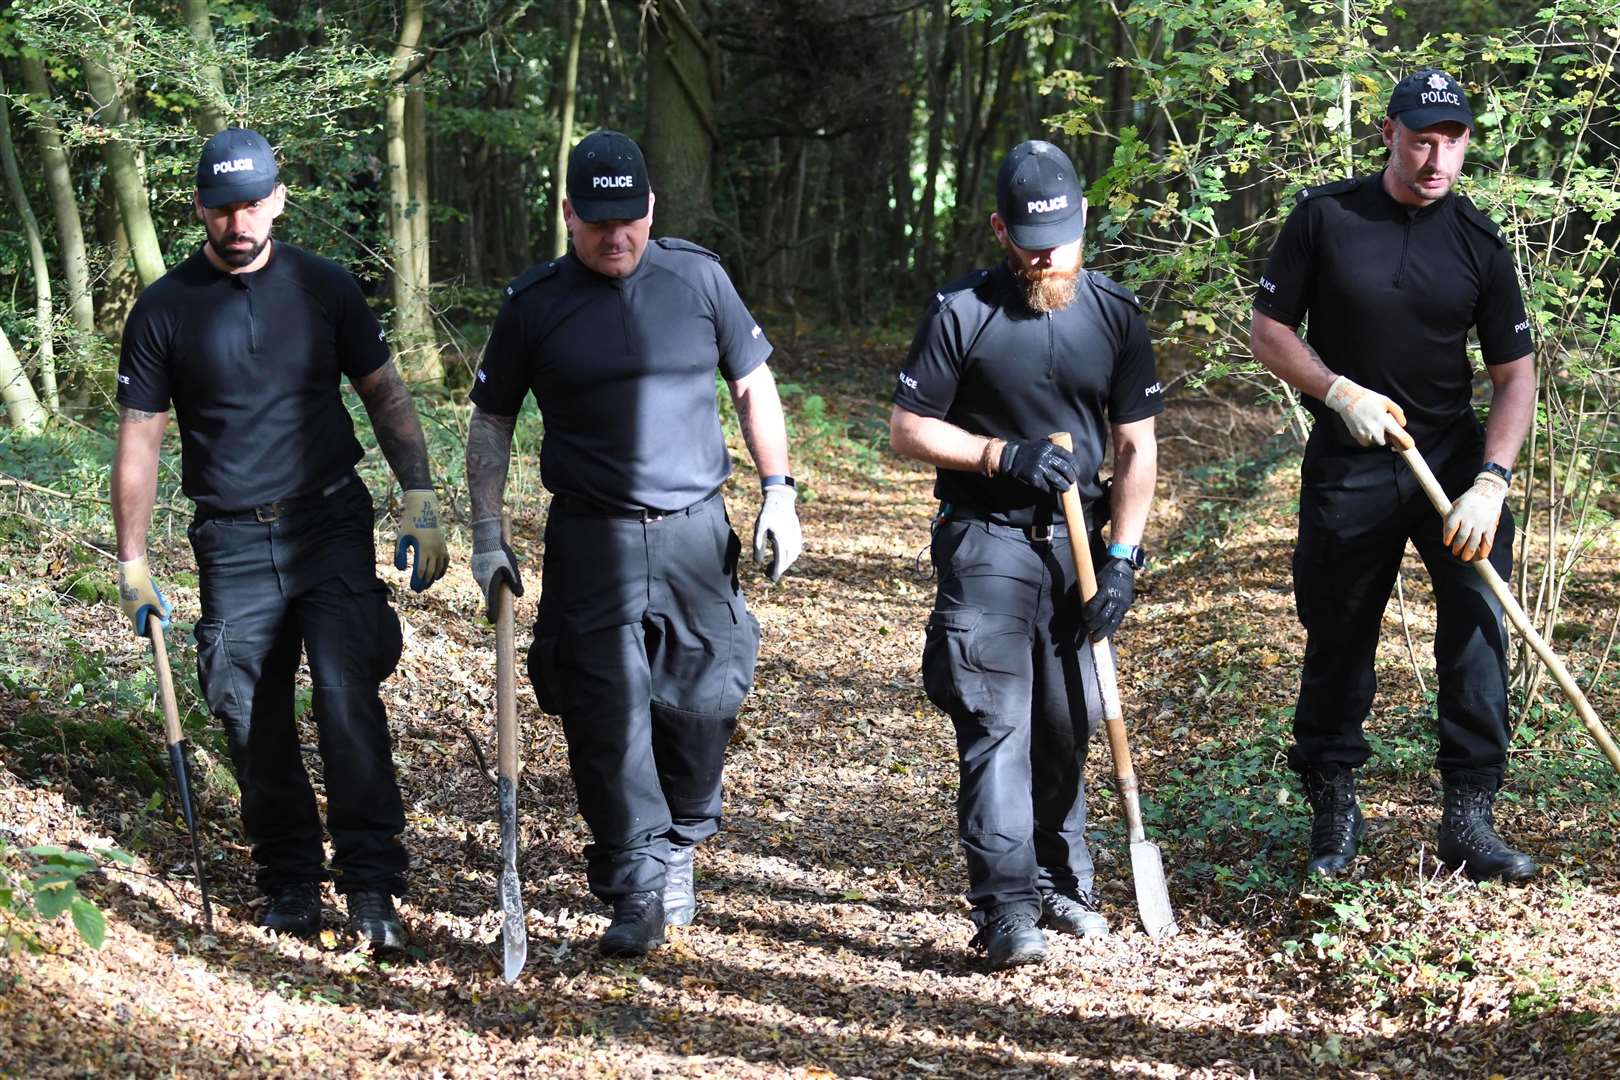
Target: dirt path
x,y
831,938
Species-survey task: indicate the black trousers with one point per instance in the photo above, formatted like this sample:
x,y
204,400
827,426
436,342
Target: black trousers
x,y
644,647
1357,509
1006,658
304,582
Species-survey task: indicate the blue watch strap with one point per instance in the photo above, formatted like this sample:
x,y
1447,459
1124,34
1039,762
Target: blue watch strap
x,y
1122,551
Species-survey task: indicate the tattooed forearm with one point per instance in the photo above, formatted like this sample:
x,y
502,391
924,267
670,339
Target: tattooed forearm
x,y
138,416
394,421
489,451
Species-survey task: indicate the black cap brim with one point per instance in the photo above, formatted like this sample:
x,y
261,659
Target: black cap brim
x,y
631,208
1048,234
1418,119
214,197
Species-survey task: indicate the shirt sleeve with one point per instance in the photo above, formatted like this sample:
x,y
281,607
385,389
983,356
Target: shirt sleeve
x,y
1135,392
143,358
503,376
933,367
1286,288
1504,328
742,344
361,345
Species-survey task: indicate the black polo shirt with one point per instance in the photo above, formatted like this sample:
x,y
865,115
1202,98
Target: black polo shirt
x,y
252,363
983,361
1388,294
623,372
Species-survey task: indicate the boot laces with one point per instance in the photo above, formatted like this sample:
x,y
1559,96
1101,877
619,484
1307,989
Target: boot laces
x,y
1472,820
299,900
1006,923
371,905
1333,823
634,906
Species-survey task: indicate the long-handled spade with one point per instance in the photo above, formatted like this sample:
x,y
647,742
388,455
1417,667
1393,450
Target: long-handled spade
x,y
514,934
176,738
1147,865
1437,495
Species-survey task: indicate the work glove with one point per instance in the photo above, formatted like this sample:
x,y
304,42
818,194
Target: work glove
x,y
138,596
419,529
1471,526
1040,464
492,562
778,526
1369,415
1116,588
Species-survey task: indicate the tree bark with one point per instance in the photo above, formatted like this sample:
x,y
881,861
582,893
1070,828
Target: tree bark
x,y
417,152
22,405
413,325
210,118
36,257
64,204
943,44
565,129
681,130
118,284
128,184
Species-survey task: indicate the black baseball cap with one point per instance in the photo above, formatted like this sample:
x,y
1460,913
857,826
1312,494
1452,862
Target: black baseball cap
x,y
607,178
237,165
1428,97
1040,197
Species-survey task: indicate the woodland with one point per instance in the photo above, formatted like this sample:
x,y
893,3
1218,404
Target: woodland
x,y
840,157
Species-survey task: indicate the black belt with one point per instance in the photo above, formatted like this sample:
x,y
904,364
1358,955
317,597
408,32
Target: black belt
x,y
1035,534
271,511
585,507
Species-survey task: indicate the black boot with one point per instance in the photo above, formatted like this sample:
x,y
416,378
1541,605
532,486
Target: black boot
x,y
372,916
638,925
1468,836
1011,939
680,893
294,909
1336,824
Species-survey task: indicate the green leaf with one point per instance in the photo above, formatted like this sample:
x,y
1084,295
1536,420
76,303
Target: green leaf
x,y
89,922
54,900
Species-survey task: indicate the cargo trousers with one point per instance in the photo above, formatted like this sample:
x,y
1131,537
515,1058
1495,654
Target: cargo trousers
x,y
299,578
1005,656
644,647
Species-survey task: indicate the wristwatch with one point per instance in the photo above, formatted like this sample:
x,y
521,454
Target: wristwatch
x,y
1497,470
776,480
1131,553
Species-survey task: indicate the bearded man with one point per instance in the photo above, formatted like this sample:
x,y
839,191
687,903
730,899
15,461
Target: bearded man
x,y
1004,357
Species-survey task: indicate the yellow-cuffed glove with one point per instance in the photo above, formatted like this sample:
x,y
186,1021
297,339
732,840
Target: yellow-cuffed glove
x,y
419,528
1471,526
138,596
1368,414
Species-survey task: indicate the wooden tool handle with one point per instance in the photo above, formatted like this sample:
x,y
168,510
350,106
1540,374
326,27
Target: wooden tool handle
x,y
506,758
160,660
1516,614
1102,657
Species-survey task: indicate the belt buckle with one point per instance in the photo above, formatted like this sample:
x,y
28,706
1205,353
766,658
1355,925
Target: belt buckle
x,y
267,513
648,515
1039,534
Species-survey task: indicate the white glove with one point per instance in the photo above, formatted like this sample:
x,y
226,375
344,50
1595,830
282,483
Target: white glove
x,y
778,524
1368,414
1474,517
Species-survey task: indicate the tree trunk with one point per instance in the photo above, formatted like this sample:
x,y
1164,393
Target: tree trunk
x,y
416,152
64,204
210,118
119,284
22,406
128,184
565,129
413,325
36,256
943,44
681,132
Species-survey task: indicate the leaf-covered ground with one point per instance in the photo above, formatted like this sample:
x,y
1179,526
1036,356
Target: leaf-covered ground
x,y
832,939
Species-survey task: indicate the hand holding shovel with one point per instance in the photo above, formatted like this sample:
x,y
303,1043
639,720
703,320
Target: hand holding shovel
x,y
514,933
1147,865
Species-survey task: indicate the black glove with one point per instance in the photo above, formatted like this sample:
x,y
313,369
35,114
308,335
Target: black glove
x,y
1116,588
1040,464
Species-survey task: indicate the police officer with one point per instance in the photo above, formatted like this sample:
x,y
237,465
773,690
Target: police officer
x,y
248,339
1004,357
1389,272
643,644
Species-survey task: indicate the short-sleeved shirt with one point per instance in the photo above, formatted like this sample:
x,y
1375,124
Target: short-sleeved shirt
x,y
623,372
252,363
1388,294
982,360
